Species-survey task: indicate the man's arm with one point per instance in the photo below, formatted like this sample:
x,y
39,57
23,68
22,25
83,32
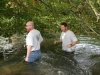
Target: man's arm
x,y
29,48
41,39
73,43
57,41
74,39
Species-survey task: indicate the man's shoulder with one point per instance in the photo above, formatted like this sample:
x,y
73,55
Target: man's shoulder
x,y
35,30
70,31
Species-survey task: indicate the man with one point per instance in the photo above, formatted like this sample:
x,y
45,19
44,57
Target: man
x,y
67,38
33,41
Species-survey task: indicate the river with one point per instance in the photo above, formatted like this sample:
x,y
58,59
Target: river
x,y
86,60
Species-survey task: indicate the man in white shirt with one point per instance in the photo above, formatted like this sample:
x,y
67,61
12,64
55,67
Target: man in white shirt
x,y
33,41
67,38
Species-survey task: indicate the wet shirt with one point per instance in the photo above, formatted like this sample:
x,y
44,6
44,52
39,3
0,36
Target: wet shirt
x,y
34,39
67,38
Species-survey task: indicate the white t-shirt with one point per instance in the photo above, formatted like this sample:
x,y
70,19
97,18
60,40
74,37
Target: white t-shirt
x,y
34,39
67,38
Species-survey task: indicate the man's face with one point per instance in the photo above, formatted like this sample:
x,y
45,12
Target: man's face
x,y
28,26
63,28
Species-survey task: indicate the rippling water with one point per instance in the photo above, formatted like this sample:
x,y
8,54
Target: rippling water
x,y
86,60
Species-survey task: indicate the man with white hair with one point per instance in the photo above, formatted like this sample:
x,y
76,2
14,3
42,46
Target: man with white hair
x,y
33,41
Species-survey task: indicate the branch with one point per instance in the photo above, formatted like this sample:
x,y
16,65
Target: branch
x,y
94,9
98,1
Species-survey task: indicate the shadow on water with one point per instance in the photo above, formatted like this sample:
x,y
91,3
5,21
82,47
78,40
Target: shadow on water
x,y
86,61
96,69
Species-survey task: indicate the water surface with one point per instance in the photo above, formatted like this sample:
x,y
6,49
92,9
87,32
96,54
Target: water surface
x,y
86,60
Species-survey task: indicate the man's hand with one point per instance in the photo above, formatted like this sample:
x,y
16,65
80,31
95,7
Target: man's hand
x,y
26,59
69,46
55,42
29,48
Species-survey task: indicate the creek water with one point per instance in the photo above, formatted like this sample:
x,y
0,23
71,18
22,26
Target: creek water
x,y
86,60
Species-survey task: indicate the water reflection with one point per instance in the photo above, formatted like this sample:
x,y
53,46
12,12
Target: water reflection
x,y
86,60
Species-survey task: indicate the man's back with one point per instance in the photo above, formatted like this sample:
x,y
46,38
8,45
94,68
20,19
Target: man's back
x,y
34,38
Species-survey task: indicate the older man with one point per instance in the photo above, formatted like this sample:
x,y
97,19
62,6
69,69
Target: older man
x,y
33,41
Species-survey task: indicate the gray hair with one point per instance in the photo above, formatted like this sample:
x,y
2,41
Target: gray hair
x,y
31,23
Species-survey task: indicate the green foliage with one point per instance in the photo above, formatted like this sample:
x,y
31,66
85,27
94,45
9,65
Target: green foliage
x,y
47,15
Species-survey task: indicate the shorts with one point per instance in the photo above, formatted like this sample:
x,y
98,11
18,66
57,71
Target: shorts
x,y
34,55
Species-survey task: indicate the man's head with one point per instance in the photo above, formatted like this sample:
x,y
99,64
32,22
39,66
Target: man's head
x,y
29,26
64,27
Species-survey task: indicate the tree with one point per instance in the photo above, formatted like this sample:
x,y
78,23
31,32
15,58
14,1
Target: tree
x,y
81,15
